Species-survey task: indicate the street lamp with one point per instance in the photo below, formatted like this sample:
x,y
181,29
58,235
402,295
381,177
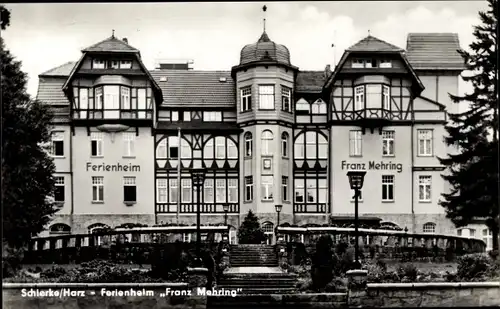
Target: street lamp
x,y
356,182
198,178
278,210
226,209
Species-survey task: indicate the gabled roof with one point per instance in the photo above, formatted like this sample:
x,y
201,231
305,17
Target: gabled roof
x,y
63,70
310,81
373,44
196,88
434,51
111,44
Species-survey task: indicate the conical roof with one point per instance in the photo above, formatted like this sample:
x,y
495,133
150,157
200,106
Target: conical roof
x,y
265,50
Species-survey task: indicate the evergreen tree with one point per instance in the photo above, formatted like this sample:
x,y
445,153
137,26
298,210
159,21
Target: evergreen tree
x,y
27,170
473,170
250,231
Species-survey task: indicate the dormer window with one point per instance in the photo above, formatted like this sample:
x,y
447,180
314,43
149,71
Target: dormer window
x,y
385,63
363,63
98,64
125,64
358,63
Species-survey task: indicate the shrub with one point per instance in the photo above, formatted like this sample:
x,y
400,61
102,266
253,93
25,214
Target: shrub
x,y
11,260
477,267
323,261
408,271
250,231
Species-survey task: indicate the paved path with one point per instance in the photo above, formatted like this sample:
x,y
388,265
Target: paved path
x,y
254,270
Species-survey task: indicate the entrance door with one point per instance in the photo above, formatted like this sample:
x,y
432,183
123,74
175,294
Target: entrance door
x,y
268,228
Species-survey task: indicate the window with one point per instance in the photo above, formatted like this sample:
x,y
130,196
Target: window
x,y
302,106
173,147
299,150
175,115
129,189
355,143
424,142
248,188
128,144
232,150
185,149
161,149
248,144
57,144
472,232
173,192
186,190
98,64
125,64
220,147
208,191
232,187
212,116
141,102
161,190
111,101
311,145
186,116
284,144
388,143
84,98
96,144
299,190
373,96
322,190
267,188
318,107
59,190
98,98
311,186
360,197
266,97
384,63
98,189
267,139
429,227
284,188
424,188
220,186
388,188
459,232
488,238
286,94
359,97
114,64
358,63
125,91
208,149
386,98
246,99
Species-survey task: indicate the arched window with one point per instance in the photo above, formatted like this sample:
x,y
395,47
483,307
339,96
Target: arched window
x,y
284,144
319,107
268,229
311,145
60,229
169,148
266,139
97,228
429,227
220,147
302,106
248,144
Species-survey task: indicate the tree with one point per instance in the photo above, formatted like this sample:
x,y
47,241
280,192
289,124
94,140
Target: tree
x,y
250,231
473,170
27,169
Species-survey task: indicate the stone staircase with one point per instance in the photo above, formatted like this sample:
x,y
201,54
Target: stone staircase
x,y
253,256
254,269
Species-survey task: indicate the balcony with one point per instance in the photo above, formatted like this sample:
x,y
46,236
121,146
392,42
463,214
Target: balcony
x,y
317,208
190,208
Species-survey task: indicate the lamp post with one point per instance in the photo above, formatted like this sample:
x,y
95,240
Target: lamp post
x,y
198,178
356,182
278,210
226,209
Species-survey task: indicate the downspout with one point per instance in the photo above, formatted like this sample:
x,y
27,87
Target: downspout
x,y
412,194
72,208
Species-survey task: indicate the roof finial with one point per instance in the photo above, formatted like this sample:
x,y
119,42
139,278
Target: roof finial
x,y
369,32
113,33
264,9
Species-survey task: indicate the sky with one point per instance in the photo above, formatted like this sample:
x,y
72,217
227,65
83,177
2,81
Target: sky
x,y
47,35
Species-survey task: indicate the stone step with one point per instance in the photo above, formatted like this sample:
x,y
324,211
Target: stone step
x,y
258,275
253,258
259,282
249,262
263,290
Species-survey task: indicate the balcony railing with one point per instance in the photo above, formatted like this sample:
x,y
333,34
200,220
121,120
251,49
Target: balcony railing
x,y
311,208
192,208
112,114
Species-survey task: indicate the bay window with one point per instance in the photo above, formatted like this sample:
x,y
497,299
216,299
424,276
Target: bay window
x,y
208,191
220,186
267,188
232,187
373,96
266,97
359,97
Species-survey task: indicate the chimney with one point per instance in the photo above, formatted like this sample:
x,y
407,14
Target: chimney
x,y
125,40
328,71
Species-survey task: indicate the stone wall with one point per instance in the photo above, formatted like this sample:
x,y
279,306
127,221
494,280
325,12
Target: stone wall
x,y
474,294
100,295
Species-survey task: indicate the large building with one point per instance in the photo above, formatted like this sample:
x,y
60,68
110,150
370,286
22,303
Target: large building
x,y
265,132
